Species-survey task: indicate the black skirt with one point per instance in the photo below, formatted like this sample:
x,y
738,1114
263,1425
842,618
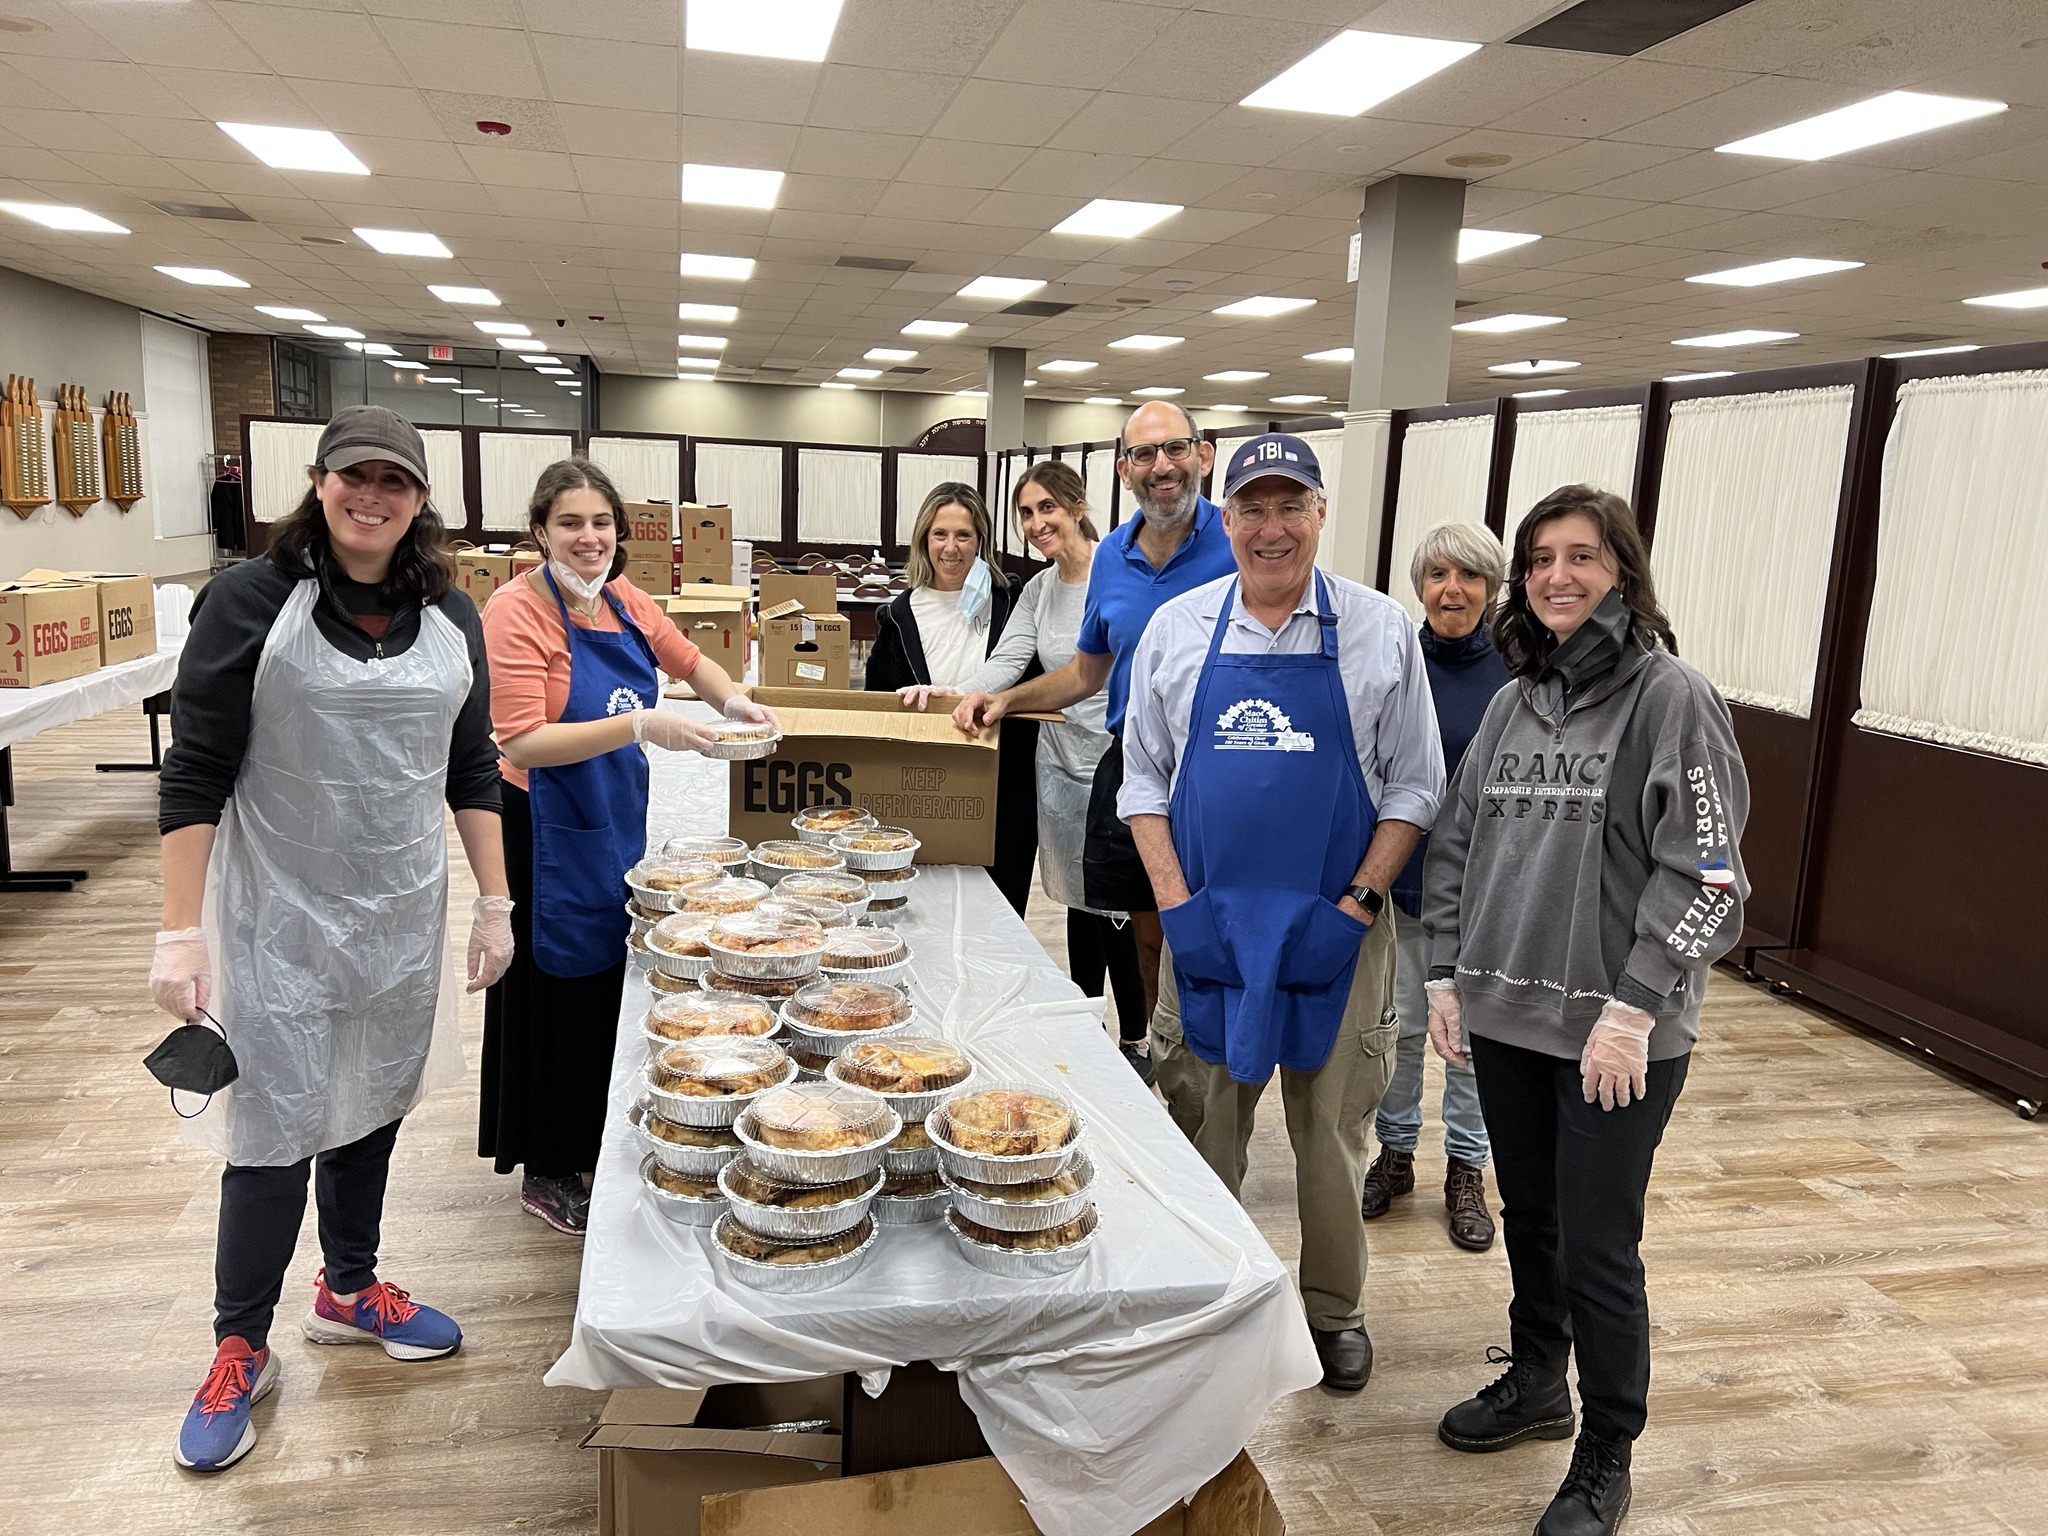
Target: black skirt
x,y
548,1041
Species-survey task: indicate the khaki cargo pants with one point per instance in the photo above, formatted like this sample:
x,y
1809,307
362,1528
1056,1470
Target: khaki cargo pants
x,y
1326,1116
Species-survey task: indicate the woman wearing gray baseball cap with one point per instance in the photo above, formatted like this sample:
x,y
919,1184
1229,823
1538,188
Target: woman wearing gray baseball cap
x,y
330,700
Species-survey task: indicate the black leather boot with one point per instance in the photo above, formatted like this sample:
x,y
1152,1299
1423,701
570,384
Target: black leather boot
x,y
1525,1403
1346,1354
1392,1173
1465,1199
1595,1493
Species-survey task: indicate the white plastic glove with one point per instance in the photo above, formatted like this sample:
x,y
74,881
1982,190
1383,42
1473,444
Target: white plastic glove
x,y
918,695
1616,1060
1446,1021
743,709
490,940
181,976
672,729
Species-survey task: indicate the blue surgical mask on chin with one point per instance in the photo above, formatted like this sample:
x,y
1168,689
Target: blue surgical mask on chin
x,y
974,591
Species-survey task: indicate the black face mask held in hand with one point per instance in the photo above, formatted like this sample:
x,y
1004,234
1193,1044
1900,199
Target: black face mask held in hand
x,y
194,1059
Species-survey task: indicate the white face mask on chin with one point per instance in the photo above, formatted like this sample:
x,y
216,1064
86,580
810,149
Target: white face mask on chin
x,y
584,587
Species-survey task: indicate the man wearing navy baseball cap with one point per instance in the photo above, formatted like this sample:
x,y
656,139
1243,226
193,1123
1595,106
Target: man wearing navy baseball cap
x,y
1281,758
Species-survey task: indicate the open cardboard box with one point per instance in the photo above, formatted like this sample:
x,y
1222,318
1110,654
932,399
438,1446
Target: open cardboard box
x,y
716,624
127,610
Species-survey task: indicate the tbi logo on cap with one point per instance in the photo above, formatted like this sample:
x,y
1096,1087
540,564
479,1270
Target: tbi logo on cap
x,y
1273,453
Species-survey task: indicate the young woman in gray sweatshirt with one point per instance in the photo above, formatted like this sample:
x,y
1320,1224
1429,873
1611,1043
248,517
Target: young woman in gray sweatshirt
x,y
1584,873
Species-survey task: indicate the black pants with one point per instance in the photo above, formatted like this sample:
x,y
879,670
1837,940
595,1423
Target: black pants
x,y
1016,812
1095,947
260,1211
1572,1179
1113,873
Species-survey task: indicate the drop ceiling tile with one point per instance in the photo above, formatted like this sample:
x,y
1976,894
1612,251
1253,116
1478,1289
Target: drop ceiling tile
x,y
65,131
1641,225
29,164
598,72
716,141
388,111
747,89
491,13
445,57
1187,182
1117,123
844,152
461,196
1690,176
1033,212
801,224
221,95
172,35
959,163
640,212
1246,136
926,201
99,87
619,131
132,169
1228,57
1038,46
830,194
503,167
1364,147
655,23
1794,186
1767,101
189,137
943,36
437,161
626,178
1626,92
1493,82
879,100
1589,165
1526,149
1000,112
327,45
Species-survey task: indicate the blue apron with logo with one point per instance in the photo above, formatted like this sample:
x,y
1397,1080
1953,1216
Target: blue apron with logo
x,y
1270,819
590,818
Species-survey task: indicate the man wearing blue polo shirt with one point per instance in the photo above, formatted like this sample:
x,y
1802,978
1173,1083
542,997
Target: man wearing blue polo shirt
x,y
1175,544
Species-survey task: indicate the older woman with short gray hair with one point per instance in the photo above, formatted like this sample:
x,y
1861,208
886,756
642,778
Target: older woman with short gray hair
x,y
1457,572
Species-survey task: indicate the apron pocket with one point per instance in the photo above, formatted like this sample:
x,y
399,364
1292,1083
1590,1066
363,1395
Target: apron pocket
x,y
1327,942
1198,948
579,916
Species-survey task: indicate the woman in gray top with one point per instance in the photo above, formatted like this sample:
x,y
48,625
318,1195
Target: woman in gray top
x,y
1052,510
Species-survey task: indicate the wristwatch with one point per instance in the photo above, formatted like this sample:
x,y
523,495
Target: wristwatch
x,y
1367,898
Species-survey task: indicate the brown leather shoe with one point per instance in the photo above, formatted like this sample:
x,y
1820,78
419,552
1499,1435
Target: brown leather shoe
x,y
1392,1173
1465,1199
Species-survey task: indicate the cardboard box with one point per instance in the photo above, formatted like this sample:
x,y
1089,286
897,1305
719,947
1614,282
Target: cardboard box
x,y
965,1498
127,621
49,631
818,594
805,650
912,769
689,574
660,1452
704,535
524,560
480,572
650,531
657,578
717,626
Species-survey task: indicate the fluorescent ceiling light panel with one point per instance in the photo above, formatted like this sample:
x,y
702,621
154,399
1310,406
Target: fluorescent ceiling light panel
x,y
701,343
401,363
1108,219
1263,306
1002,288
1298,399
441,378
860,373
938,328
1734,339
404,242
767,29
1329,355
452,293
334,332
575,385
1147,343
565,371
1476,243
1536,394
539,357
717,314
696,362
520,344
295,149
731,186
732,269
1534,365
62,216
1031,383
972,394
2019,298
1894,115
373,349
834,384
1687,378
466,392
888,354
204,277
1236,376
1158,391
289,312
1065,365
1223,406
1780,271
501,327
1501,325
1103,400
1354,71
1967,346
484,399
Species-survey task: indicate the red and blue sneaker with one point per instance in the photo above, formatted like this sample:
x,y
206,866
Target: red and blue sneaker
x,y
217,1432
381,1314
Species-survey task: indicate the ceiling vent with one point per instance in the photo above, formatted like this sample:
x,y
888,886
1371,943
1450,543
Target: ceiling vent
x,y
221,211
1623,27
775,368
1911,338
875,263
907,368
320,240
1036,309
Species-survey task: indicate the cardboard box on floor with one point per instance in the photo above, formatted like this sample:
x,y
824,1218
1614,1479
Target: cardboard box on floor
x,y
127,610
650,530
717,623
49,631
818,594
708,575
480,572
806,650
704,535
657,578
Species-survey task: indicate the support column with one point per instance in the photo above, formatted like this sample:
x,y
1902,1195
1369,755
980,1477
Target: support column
x,y
1005,398
1407,292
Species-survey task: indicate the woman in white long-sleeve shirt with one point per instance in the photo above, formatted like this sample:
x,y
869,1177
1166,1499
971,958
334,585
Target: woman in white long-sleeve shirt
x,y
1052,510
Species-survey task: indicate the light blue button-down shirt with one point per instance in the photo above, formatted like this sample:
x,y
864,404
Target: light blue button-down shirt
x,y
1379,659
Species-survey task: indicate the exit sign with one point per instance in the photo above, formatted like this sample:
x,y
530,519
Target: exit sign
x,y
440,354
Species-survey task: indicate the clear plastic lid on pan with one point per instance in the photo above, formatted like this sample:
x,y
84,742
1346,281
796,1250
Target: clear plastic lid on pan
x,y
847,1006
826,885
705,1137
1006,1120
876,840
732,893
775,989
718,1066
792,854
682,1184
666,873
758,936
862,949
748,1181
1070,1180
821,1117
670,985
735,739
682,933
832,818
911,1186
730,852
904,1064
690,1015
828,913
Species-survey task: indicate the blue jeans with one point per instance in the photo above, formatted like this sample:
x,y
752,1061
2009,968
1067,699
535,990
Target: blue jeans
x,y
1399,1121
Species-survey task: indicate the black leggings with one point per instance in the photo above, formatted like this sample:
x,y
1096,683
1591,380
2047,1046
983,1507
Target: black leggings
x,y
260,1211
1095,944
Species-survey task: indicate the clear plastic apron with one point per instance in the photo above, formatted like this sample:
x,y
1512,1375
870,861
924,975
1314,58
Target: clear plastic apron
x,y
327,894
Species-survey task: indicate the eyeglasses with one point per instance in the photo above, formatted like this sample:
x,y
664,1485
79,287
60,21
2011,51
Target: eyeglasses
x,y
1291,515
1176,449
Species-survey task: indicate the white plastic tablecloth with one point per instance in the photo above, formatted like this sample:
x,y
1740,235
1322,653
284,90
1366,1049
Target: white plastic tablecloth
x,y
26,712
1109,1393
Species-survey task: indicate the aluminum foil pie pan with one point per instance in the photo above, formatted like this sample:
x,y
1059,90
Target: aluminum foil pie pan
x,y
794,1226
690,1162
1024,1264
744,749
688,1109
1002,1167
904,1211
822,836
791,1279
897,1161
1021,1216
803,1167
874,858
911,1106
680,1209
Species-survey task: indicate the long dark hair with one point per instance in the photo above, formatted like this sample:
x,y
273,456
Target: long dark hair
x,y
578,474
422,569
1063,483
1520,637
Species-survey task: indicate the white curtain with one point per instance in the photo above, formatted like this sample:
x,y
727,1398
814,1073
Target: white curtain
x,y
1745,529
1098,468
917,474
444,474
838,496
748,478
1444,467
643,468
179,425
508,465
1328,447
1593,446
279,453
1956,651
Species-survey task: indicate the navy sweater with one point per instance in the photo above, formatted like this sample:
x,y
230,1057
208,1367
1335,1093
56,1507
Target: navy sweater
x,y
1464,675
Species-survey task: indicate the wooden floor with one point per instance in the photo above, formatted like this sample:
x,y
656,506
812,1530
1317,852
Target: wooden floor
x,y
1848,1260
